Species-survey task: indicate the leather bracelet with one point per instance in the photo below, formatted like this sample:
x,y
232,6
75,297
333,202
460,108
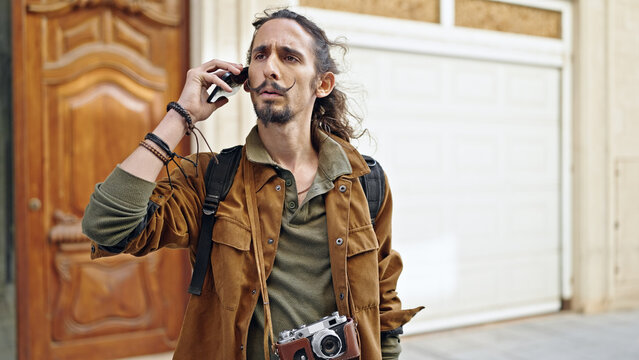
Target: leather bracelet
x,y
155,152
185,114
161,144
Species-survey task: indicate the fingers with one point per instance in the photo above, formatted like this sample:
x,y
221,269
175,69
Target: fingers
x,y
212,71
194,94
215,64
216,79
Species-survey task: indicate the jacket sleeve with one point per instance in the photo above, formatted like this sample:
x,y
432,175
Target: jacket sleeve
x,y
392,317
171,217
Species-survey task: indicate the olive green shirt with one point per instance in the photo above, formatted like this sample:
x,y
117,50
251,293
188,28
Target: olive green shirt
x,y
300,286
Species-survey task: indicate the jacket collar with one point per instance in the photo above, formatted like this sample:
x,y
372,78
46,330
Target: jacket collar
x,y
337,157
358,164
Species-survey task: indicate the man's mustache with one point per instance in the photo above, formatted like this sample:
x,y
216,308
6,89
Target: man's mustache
x,y
280,90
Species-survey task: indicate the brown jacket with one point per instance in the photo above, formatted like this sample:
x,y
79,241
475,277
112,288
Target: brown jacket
x,y
364,267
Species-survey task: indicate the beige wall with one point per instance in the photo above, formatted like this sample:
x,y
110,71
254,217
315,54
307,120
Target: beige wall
x,y
606,177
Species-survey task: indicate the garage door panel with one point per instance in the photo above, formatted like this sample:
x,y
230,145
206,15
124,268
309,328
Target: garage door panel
x,y
412,82
502,155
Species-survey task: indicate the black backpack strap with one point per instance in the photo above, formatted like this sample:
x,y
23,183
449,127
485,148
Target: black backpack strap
x,y
374,186
218,179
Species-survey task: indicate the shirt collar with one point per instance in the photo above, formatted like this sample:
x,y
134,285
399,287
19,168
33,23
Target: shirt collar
x,y
333,161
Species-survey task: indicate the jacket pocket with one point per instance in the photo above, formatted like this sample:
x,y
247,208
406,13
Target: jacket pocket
x,y
362,267
230,261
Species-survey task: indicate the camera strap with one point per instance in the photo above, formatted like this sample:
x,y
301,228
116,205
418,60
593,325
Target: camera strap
x,y
251,204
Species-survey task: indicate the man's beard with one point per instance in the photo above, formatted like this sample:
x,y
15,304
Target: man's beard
x,y
267,114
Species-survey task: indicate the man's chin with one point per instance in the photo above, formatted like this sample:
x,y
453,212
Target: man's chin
x,y
277,120
272,115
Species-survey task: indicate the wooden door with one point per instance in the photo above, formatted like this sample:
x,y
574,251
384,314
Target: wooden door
x,y
90,79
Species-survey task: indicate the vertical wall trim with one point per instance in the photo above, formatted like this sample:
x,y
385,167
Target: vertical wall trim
x,y
612,185
567,163
592,243
447,13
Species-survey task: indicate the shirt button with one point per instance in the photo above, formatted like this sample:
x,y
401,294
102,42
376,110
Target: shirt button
x,y
342,188
241,347
278,188
270,241
253,291
289,182
341,296
92,248
291,205
339,241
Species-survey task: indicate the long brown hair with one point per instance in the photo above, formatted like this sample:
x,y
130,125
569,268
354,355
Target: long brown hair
x,y
330,113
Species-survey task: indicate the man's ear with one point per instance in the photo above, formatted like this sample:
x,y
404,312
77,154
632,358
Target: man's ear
x,y
245,86
326,85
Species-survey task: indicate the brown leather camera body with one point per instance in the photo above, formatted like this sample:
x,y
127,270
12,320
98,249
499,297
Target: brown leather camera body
x,y
287,351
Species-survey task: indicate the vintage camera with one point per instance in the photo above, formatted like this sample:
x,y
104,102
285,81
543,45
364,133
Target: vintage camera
x,y
332,337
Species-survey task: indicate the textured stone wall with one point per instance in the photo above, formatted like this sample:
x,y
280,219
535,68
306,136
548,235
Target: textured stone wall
x,y
490,15
419,10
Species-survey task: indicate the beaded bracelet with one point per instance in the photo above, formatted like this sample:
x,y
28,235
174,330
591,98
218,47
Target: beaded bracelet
x,y
155,152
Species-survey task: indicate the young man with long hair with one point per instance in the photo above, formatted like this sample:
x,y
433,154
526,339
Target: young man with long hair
x,y
295,198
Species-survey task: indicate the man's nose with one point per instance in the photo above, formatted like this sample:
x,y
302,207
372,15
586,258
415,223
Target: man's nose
x,y
271,70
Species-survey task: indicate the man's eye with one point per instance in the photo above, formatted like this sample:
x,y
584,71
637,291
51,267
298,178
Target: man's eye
x,y
259,56
291,58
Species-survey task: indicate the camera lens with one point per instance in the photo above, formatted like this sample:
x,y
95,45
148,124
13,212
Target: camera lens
x,y
330,345
327,344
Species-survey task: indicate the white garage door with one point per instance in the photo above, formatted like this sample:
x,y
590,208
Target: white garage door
x,y
471,149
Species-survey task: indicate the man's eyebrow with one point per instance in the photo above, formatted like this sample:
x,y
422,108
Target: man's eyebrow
x,y
286,49
293,52
258,49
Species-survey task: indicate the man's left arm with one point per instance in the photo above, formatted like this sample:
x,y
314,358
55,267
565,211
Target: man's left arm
x,y
392,317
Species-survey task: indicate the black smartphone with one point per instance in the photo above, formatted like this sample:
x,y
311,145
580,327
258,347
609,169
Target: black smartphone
x,y
234,81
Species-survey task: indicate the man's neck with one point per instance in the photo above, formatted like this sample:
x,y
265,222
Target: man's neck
x,y
289,144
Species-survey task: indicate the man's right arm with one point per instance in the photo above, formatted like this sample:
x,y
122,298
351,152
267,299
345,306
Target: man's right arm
x,y
120,204
139,223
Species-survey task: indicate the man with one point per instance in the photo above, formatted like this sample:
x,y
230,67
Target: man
x,y
296,195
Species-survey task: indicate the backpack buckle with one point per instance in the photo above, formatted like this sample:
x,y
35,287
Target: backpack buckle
x,y
211,202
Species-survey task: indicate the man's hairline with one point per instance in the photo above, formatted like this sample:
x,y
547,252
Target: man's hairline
x,y
316,60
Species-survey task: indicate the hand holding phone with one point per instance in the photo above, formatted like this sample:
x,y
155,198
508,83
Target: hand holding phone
x,y
234,81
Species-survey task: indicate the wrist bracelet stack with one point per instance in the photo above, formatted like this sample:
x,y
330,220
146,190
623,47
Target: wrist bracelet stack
x,y
169,156
166,159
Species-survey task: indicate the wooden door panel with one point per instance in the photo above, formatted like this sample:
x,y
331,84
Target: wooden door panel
x,y
95,298
98,118
91,78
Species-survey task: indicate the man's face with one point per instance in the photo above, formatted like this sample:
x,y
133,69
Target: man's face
x,y
282,58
